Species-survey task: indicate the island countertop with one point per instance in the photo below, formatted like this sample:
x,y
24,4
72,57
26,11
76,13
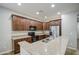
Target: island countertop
x,y
24,36
19,37
55,46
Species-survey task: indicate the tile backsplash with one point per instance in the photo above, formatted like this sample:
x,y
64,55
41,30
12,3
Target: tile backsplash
x,y
18,33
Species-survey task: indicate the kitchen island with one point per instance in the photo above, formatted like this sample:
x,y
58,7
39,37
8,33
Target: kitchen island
x,y
27,38
47,46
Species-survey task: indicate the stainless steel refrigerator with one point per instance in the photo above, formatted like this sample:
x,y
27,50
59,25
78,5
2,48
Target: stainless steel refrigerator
x,y
54,30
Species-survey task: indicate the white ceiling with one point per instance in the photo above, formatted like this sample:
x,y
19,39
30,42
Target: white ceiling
x,y
30,9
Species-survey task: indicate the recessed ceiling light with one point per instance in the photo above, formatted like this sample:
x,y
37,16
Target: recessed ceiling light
x,y
52,5
37,13
58,13
19,4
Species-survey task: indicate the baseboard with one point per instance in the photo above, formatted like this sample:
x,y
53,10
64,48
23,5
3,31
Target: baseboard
x,y
1,53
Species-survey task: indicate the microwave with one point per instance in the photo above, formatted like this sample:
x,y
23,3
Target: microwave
x,y
32,28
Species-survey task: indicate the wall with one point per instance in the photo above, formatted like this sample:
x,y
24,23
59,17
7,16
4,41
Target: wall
x,y
78,30
5,30
69,28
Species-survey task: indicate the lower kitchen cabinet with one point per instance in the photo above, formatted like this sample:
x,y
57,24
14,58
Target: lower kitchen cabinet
x,y
16,46
43,36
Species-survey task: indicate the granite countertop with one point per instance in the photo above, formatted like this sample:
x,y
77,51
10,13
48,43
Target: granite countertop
x,y
23,36
54,47
19,37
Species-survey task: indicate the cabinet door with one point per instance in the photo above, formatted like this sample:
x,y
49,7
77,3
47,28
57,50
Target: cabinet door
x,y
45,26
48,25
55,22
41,37
27,24
15,23
39,25
32,23
18,23
22,24
29,39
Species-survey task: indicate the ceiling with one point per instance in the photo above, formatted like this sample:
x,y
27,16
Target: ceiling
x,y
45,9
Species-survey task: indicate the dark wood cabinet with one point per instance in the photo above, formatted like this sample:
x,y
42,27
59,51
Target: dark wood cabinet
x,y
22,24
18,23
45,26
29,39
16,45
40,37
48,25
27,24
39,25
55,23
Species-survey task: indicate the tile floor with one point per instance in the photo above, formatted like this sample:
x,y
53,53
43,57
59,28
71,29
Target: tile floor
x,y
71,52
68,52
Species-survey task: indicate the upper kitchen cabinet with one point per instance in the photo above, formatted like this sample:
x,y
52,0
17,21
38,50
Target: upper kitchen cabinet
x,y
45,26
22,24
39,25
48,25
55,22
18,23
27,24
